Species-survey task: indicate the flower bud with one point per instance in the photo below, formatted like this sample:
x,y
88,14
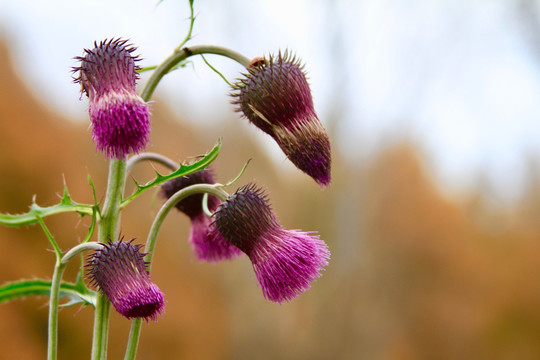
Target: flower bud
x,y
119,271
206,245
285,261
120,118
275,96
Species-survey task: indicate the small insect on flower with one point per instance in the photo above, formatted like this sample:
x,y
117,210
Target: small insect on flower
x,y
120,118
119,271
285,261
275,97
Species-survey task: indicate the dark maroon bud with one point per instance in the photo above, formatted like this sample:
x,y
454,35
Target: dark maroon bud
x,y
275,96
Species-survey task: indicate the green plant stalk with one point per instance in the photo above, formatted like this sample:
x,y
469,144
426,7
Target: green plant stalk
x,y
150,156
52,345
180,55
191,22
214,190
108,232
52,338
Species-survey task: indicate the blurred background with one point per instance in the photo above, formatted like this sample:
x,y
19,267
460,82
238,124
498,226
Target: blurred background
x,y
433,215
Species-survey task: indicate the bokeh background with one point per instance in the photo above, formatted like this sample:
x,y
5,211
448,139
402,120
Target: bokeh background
x,y
433,215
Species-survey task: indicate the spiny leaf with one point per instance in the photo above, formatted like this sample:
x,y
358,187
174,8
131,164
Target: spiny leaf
x,y
76,293
183,170
66,198
31,217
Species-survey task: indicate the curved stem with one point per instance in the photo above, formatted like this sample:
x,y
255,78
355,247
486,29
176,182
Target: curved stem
x,y
214,190
211,189
182,54
205,208
107,232
218,50
150,156
79,249
61,263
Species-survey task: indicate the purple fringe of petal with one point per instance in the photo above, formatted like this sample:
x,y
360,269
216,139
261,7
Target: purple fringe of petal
x,y
120,124
287,261
140,302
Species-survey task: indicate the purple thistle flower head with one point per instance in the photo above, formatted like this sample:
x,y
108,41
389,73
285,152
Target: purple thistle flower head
x,y
285,261
206,244
119,271
120,118
275,96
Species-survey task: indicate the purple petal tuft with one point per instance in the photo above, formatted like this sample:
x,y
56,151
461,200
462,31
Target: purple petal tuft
x,y
285,261
120,118
119,271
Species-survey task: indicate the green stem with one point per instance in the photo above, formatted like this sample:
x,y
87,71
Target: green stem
x,y
182,54
108,232
133,341
191,22
101,323
52,345
149,156
52,342
108,224
214,190
53,242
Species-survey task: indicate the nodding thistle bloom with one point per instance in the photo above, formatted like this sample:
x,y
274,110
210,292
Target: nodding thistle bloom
x,y
275,96
285,261
120,117
206,245
120,272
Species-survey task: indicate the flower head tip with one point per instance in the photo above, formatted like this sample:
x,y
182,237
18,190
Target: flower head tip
x,y
285,261
119,271
120,118
275,96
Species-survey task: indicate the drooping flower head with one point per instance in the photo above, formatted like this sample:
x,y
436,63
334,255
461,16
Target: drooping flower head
x,y
206,245
285,261
120,118
275,96
120,272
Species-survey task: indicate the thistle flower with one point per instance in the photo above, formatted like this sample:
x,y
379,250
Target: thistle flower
x,y
119,271
275,96
206,245
120,117
285,261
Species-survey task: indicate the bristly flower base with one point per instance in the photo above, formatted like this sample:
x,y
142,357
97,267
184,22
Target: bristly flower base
x,y
119,271
285,261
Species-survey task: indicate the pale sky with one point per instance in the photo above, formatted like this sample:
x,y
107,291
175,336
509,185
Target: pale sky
x,y
459,77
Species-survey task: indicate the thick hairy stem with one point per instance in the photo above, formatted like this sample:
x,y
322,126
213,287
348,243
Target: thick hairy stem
x,y
107,232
